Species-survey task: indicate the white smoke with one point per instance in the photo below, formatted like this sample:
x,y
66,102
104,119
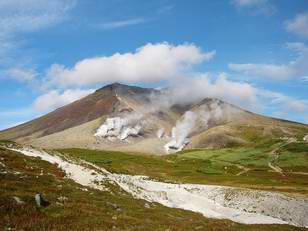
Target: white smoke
x,y
193,120
160,133
181,131
130,131
120,127
186,91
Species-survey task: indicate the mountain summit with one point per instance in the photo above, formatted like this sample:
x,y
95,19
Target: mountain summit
x,y
130,118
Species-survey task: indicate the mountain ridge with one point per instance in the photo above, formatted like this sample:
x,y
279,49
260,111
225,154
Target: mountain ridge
x,y
75,124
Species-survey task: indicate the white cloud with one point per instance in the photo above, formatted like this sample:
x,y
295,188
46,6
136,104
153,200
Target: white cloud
x,y
249,3
263,70
122,23
304,78
295,68
283,105
165,9
298,105
19,16
54,99
299,25
256,6
150,63
29,15
22,75
193,89
240,94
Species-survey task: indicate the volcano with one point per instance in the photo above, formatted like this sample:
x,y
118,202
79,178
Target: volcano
x,y
130,118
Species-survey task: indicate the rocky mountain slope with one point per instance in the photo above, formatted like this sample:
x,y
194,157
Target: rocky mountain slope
x,y
127,118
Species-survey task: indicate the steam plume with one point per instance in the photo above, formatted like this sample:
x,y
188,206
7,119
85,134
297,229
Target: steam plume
x,y
120,127
193,120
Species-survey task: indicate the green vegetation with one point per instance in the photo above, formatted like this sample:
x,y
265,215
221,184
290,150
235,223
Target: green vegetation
x,y
245,156
6,142
294,157
85,208
244,167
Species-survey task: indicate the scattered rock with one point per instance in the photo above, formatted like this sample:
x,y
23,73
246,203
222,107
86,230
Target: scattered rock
x,y
1,164
8,228
199,227
62,199
115,206
18,200
146,205
60,204
40,200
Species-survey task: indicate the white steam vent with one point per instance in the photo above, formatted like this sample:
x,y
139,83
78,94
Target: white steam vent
x,y
160,133
120,128
181,131
191,121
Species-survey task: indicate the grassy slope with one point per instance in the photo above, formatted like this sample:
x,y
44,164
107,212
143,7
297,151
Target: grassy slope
x,y
87,210
213,166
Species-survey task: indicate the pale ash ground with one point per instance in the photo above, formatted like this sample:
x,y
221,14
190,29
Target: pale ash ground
x,y
237,204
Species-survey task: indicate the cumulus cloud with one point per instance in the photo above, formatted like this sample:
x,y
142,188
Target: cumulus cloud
x,y
242,94
22,75
295,68
299,25
150,63
202,86
55,99
256,6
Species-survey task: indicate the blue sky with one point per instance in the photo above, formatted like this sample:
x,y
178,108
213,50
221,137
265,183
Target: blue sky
x,y
253,53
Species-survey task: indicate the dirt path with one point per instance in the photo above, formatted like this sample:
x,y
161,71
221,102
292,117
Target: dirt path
x,y
299,173
276,168
243,169
275,153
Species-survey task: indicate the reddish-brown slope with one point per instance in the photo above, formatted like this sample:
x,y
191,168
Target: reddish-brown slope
x,y
95,105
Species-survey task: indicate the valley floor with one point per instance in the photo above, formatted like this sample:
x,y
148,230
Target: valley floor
x,y
242,167
147,190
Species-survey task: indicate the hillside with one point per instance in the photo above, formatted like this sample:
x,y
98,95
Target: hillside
x,y
74,207
128,118
84,196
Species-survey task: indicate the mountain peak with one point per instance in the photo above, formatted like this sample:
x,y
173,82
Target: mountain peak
x,y
114,85
120,88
